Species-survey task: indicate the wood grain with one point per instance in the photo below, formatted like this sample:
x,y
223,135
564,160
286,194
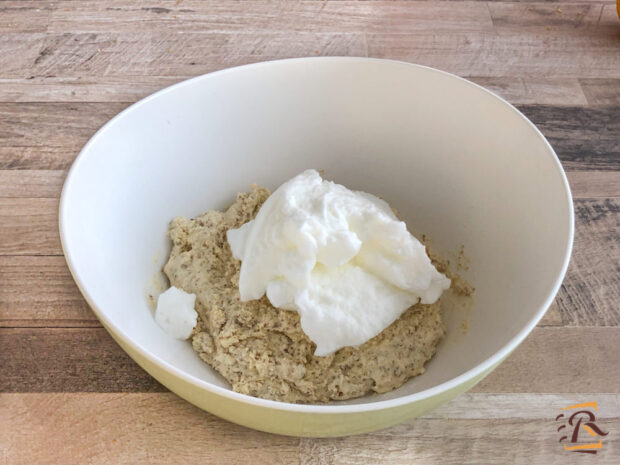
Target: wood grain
x,y
601,91
552,317
39,291
49,125
253,17
542,91
19,50
610,13
507,39
120,428
31,183
589,184
37,158
548,54
454,441
88,359
560,360
166,53
523,16
593,278
24,16
68,360
129,88
585,138
162,428
476,406
517,53
462,442
29,227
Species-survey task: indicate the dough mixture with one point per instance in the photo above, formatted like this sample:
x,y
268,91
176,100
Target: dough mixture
x,y
261,350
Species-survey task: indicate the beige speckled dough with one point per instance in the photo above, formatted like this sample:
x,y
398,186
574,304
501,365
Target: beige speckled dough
x,y
261,350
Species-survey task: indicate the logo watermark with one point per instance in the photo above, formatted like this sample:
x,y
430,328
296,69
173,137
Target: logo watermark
x,y
578,423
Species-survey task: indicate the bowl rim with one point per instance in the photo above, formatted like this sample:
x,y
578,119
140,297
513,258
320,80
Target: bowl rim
x,y
482,367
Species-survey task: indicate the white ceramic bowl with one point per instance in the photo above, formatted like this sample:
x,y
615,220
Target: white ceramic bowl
x,y
459,163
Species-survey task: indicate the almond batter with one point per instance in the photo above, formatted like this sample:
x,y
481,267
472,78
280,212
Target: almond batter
x,y
261,350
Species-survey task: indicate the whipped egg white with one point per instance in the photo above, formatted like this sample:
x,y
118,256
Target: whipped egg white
x,y
175,313
339,258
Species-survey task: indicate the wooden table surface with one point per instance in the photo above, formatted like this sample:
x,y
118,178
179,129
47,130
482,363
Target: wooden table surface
x,y
69,394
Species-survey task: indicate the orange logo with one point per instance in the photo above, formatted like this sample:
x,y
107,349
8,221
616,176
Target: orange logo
x,y
579,421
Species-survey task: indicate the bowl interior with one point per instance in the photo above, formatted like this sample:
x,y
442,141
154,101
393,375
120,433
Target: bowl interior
x,y
459,164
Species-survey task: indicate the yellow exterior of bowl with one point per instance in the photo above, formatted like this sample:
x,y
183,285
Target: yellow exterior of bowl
x,y
295,423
